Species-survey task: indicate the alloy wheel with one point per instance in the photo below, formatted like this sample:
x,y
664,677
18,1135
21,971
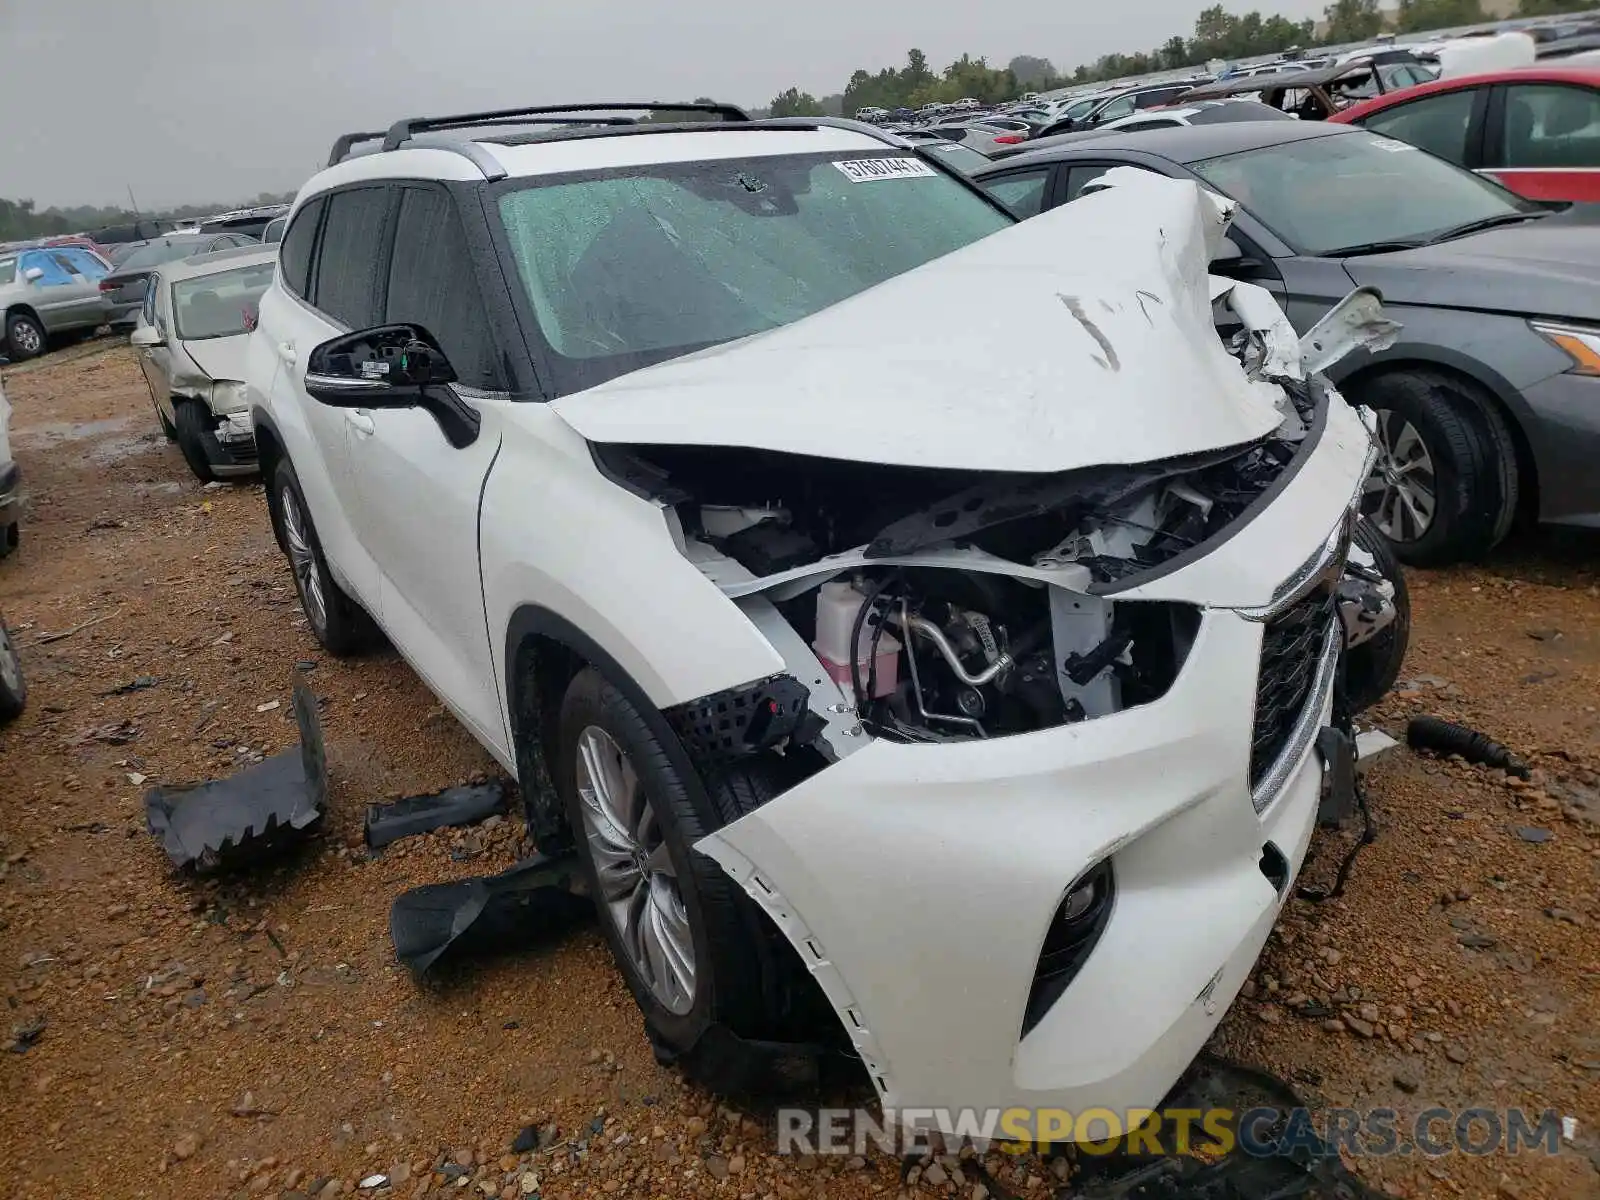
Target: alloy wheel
x,y
638,881
1401,496
28,337
303,559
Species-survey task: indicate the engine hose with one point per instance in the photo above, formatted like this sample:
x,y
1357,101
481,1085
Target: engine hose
x,y
1441,737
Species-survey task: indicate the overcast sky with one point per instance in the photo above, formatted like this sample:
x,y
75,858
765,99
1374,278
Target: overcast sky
x,y
215,100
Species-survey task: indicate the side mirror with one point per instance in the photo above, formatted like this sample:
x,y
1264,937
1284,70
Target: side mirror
x,y
391,366
145,335
33,274
1232,261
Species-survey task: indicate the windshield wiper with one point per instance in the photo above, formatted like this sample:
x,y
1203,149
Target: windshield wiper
x,y
1370,248
1487,223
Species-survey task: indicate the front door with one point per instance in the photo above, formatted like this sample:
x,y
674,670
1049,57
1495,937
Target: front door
x,y
417,495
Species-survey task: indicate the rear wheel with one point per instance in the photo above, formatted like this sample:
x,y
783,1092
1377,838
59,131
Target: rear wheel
x,y
13,690
192,434
24,337
337,621
1443,488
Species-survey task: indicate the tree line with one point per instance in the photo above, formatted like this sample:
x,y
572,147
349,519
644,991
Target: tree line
x,y
20,220
1218,34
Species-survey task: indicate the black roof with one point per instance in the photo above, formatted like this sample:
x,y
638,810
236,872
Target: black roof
x,y
1181,143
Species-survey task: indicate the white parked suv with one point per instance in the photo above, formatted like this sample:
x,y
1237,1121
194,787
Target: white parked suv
x,y
966,701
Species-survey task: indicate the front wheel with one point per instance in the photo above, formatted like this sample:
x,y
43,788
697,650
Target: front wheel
x,y
1443,487
1371,668
192,432
342,626
675,922
13,689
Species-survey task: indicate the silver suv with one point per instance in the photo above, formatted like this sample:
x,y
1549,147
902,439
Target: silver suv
x,y
47,291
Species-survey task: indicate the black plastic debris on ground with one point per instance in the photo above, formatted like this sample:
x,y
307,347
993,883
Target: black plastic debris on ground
x,y
1280,1157
514,910
463,805
1436,736
233,822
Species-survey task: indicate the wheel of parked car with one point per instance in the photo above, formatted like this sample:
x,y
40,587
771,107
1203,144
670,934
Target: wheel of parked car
x,y
193,428
1444,487
13,690
337,621
24,337
681,932
1371,668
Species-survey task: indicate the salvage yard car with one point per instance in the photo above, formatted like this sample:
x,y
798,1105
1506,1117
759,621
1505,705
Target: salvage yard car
x,y
965,701
190,335
1489,403
10,481
44,293
1535,129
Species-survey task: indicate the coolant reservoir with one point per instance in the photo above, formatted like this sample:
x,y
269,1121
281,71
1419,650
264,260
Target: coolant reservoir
x,y
838,605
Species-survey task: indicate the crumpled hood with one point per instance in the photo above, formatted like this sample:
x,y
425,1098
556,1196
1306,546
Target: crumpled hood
x,y
220,358
1082,337
1549,267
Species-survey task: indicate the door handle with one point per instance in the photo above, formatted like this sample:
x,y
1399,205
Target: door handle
x,y
360,422
286,352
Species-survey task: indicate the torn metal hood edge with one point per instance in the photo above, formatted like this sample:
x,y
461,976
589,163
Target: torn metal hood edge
x,y
1083,337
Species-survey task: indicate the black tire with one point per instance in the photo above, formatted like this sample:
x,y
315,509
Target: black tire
x,y
339,623
1473,478
25,337
1371,668
193,434
13,688
729,954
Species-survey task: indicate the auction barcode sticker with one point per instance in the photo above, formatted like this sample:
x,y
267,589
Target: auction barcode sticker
x,y
866,170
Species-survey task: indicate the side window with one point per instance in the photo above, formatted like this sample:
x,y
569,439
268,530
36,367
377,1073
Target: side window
x,y
87,264
432,283
40,261
1550,125
1079,178
350,268
1147,123
1117,108
61,260
1022,193
294,257
1437,124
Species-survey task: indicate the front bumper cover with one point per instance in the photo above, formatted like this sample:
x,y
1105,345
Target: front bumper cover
x,y
917,882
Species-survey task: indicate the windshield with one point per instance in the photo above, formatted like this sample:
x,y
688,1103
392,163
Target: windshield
x,y
214,306
624,271
1326,193
154,254
1078,108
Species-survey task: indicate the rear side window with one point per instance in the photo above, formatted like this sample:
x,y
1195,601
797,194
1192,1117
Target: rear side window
x,y
294,258
432,284
1022,193
351,267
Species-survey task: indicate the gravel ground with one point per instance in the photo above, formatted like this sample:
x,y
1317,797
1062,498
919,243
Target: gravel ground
x,y
258,1037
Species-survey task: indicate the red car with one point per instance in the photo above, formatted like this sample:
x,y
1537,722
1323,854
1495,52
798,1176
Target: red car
x,y
1535,129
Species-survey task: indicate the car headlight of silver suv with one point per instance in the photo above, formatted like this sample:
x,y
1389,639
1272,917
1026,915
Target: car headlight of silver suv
x,y
1581,344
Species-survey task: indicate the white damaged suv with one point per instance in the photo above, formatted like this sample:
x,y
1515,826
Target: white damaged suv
x,y
964,699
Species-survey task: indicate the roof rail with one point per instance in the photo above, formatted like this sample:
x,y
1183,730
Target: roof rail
x,y
403,130
343,143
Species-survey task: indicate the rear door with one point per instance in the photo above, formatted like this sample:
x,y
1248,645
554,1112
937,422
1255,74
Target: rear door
x,y
1544,140
328,274
417,512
